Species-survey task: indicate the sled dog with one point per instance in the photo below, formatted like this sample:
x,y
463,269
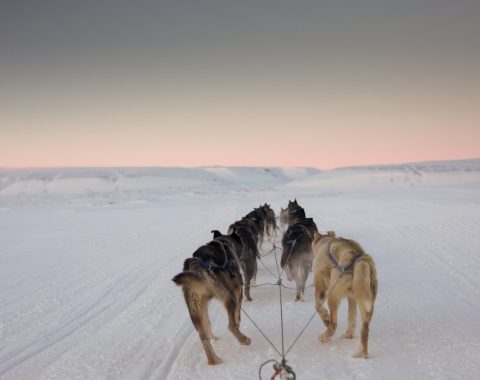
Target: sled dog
x,y
213,272
297,247
341,268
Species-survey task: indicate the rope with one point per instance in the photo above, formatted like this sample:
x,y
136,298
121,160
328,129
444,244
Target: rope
x,y
268,270
267,283
273,249
276,284
276,263
246,314
281,316
311,318
301,332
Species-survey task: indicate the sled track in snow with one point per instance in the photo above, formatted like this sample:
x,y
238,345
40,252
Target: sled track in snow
x,y
178,343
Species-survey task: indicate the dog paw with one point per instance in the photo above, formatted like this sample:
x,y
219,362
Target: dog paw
x,y
215,361
347,335
361,354
324,338
246,341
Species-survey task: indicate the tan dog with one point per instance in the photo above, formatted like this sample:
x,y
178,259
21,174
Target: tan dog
x,y
341,268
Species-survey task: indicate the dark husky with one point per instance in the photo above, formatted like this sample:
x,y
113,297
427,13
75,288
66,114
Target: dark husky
x,y
297,253
247,252
213,272
295,212
246,223
257,217
264,219
270,221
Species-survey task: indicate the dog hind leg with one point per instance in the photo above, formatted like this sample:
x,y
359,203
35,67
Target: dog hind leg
x,y
365,299
366,318
253,282
206,320
197,315
231,307
300,280
352,316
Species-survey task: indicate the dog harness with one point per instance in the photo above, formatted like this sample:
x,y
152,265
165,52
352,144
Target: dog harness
x,y
341,268
291,242
227,266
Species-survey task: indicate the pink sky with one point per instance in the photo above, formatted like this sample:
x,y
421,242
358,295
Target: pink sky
x,y
271,84
261,128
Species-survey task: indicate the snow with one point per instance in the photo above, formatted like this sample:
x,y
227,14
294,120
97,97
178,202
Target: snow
x,y
88,255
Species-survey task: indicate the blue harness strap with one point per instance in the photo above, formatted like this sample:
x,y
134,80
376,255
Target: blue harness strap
x,y
341,268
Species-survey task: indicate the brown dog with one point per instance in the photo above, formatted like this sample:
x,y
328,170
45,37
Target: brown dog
x,y
341,268
213,272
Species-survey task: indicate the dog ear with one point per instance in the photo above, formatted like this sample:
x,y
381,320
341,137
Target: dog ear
x,y
331,233
216,233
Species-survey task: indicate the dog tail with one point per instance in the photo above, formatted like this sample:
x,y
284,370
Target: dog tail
x,y
365,282
187,278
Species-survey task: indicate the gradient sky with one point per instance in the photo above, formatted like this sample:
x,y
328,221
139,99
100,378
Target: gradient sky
x,y
244,83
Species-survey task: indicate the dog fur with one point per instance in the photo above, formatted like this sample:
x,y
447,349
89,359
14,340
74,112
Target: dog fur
x,y
359,285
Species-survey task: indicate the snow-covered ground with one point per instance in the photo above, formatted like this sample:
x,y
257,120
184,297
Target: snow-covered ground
x,y
87,257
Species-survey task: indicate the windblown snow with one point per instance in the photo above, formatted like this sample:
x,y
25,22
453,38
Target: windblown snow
x,y
88,255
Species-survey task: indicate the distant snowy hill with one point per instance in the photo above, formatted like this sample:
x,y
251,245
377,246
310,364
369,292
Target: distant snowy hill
x,y
154,183
354,179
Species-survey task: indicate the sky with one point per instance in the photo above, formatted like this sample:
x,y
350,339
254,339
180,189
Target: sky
x,y
238,83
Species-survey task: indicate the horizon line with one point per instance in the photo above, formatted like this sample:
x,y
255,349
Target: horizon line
x,y
13,168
